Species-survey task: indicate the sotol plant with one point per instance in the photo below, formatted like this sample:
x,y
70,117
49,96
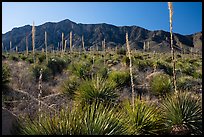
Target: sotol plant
x,y
145,119
183,113
94,119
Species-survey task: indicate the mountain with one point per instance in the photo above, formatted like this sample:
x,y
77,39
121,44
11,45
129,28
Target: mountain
x,y
159,40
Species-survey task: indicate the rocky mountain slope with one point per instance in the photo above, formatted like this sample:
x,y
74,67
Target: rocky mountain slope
x,y
158,40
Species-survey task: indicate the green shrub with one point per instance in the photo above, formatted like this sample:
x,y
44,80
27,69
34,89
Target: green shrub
x,y
56,65
96,89
81,69
168,69
94,119
103,72
30,60
143,65
70,86
13,57
41,57
125,60
145,119
183,113
121,78
160,84
5,74
121,51
46,72
187,83
23,57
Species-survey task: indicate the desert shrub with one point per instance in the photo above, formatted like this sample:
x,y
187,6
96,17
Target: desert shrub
x,y
46,72
13,57
103,72
4,56
56,65
121,78
191,71
160,84
143,65
70,86
167,68
139,57
145,119
81,69
187,83
22,56
30,60
183,114
41,57
169,59
94,119
121,51
125,60
98,89
5,74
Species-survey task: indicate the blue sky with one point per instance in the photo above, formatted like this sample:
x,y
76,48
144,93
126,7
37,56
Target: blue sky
x,y
187,17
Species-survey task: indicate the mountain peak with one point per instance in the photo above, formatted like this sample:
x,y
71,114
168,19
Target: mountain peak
x,y
95,33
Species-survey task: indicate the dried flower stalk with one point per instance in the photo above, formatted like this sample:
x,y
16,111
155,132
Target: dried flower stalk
x,y
40,94
62,42
170,6
46,46
10,45
131,76
82,39
104,50
71,41
26,44
33,40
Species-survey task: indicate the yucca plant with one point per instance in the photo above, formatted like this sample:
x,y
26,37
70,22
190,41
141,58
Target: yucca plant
x,y
62,123
94,119
145,119
183,113
96,88
103,119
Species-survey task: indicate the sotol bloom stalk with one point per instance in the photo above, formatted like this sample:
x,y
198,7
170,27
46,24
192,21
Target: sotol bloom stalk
x,y
104,49
33,40
46,46
71,41
40,94
82,39
131,76
170,6
62,42
26,44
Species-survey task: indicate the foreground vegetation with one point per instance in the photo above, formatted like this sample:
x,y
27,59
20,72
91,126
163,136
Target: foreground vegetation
x,y
96,96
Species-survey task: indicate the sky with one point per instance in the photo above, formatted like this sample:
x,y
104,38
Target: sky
x,y
187,16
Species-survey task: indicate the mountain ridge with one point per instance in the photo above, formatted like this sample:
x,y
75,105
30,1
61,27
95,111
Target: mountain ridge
x,y
95,33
